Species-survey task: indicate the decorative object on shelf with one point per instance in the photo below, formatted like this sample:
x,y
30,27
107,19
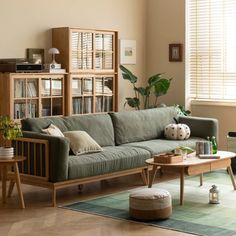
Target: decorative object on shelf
x,y
175,52
214,195
157,86
35,55
127,51
9,130
54,51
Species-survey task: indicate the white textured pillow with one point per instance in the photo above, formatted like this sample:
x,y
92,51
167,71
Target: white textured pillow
x,y
177,131
81,142
53,130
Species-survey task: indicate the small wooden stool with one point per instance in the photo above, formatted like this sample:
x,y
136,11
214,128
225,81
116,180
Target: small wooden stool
x,y
150,204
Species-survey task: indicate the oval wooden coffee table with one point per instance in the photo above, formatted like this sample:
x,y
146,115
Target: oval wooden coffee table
x,y
193,165
4,163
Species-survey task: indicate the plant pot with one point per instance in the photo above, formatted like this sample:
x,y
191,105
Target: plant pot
x,y
6,153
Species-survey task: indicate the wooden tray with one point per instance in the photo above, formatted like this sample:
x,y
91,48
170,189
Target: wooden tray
x,y
167,158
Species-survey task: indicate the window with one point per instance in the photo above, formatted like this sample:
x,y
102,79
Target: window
x,y
211,50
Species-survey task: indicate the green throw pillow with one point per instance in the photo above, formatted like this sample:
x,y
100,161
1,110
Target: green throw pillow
x,y
81,142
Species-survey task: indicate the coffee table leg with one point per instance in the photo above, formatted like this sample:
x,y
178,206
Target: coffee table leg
x,y
152,175
181,186
201,179
229,169
18,185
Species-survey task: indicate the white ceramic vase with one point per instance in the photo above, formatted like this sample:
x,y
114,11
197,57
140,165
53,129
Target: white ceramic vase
x,y
6,153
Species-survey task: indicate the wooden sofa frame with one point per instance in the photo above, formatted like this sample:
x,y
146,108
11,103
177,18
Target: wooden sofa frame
x,y
37,177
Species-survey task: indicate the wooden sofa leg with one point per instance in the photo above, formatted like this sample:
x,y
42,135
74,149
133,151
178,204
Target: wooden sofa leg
x,y
54,197
145,176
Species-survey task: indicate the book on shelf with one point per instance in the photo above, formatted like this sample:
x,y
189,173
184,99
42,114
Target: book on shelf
x,y
99,104
108,103
23,110
87,104
88,86
31,89
76,87
19,88
77,104
46,111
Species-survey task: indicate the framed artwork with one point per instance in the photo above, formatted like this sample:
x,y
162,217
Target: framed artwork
x,y
35,55
127,51
175,52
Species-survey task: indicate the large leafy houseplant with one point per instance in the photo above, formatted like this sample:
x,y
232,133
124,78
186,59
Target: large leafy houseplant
x,y
9,129
157,86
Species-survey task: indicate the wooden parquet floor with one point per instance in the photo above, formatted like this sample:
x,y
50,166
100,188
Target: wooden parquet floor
x,y
40,219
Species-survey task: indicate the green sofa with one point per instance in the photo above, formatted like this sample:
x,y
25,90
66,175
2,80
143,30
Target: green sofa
x,y
127,140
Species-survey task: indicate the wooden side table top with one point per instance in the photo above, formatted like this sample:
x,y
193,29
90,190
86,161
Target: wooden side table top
x,y
13,160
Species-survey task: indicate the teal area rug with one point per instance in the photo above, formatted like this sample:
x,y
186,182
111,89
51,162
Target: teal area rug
x,y
196,216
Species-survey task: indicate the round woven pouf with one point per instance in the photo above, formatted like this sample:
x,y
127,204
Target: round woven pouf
x,y
150,204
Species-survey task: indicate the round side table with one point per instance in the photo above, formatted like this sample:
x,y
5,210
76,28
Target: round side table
x,y
4,163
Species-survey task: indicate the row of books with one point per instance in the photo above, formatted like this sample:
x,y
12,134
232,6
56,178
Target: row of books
x,y
102,104
84,41
23,88
23,110
88,86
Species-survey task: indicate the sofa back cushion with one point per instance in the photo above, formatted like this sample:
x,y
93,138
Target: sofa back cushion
x,y
38,124
98,126
135,126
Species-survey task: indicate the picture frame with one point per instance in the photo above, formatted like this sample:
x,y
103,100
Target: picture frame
x,y
175,52
127,51
35,55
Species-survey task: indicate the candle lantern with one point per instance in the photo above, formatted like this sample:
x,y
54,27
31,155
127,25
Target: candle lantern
x,y
214,195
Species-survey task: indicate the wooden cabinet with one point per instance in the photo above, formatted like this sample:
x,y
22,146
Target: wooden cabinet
x,y
29,95
91,93
90,58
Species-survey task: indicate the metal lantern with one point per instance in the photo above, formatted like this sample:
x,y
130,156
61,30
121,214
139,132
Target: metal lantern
x,y
214,195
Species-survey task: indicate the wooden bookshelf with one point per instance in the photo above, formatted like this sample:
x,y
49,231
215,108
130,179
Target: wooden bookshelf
x,y
90,57
29,95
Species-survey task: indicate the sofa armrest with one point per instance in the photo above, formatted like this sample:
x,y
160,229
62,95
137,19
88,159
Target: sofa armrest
x,y
201,127
58,155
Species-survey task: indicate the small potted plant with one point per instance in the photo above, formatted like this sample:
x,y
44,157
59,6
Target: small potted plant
x,y
9,130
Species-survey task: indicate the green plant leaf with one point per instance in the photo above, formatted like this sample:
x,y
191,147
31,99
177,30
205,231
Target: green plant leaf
x,y
9,129
162,87
128,75
133,102
143,91
154,79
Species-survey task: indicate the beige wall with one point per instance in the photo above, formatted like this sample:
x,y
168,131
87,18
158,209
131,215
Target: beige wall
x,y
26,24
166,24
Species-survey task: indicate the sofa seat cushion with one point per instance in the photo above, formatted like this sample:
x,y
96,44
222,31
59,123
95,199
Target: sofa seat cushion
x,y
111,159
156,146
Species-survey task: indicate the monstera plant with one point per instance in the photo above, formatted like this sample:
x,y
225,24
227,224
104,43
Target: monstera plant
x,y
156,85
